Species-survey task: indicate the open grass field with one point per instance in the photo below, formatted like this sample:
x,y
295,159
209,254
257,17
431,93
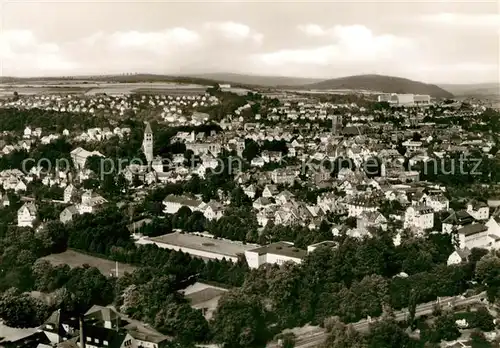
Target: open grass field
x,y
74,259
10,333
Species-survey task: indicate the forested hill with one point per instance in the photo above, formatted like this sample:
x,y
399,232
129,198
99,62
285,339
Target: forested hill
x,y
381,83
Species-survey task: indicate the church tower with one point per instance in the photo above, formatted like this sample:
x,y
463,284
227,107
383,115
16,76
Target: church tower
x,y
147,143
337,125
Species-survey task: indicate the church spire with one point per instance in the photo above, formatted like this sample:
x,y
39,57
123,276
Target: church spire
x,y
147,143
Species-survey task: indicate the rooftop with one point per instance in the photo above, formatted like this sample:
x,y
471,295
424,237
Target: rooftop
x,y
183,200
204,295
281,248
472,229
201,243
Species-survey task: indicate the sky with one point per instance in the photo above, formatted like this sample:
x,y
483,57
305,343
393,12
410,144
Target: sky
x,y
430,41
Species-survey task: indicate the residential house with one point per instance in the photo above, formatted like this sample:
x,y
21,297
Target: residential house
x,y
250,191
37,132
203,297
209,161
269,191
173,203
493,225
478,235
26,215
70,194
20,186
359,205
412,145
458,256
204,148
91,202
479,210
135,171
213,210
284,197
326,200
271,156
264,216
456,220
25,144
27,133
4,200
80,155
257,162
371,219
437,202
283,217
262,202
419,217
284,176
68,214
103,327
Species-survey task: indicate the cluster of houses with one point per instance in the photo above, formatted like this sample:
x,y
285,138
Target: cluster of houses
x,y
99,327
178,110
77,203
356,134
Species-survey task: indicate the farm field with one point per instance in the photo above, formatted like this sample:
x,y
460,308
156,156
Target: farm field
x,y
100,88
74,259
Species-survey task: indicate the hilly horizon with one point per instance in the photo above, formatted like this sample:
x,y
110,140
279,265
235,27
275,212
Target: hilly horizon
x,y
257,80
371,82
473,89
382,83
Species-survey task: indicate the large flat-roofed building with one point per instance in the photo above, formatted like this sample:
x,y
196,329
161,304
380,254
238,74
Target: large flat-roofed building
x,y
402,99
275,253
199,245
405,99
386,97
421,99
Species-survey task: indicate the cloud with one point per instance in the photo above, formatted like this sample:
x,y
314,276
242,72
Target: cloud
x,y
235,31
155,41
311,29
464,20
21,53
354,43
464,66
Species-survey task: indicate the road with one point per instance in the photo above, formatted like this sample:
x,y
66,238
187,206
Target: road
x,y
317,336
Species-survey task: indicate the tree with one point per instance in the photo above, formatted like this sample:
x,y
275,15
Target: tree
x,y
21,310
478,339
181,320
476,254
483,320
342,336
55,236
239,197
488,272
387,333
251,150
240,321
412,306
445,328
